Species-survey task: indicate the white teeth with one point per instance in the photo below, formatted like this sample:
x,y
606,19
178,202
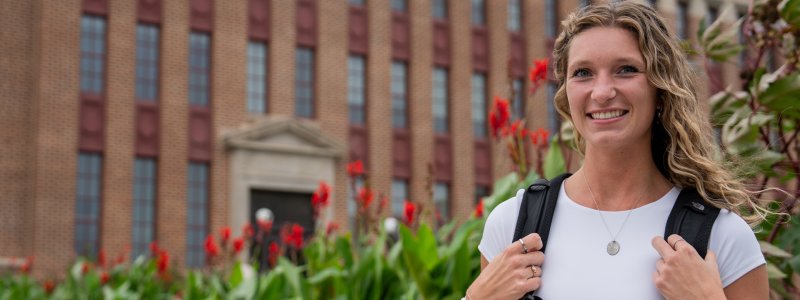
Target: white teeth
x,y
607,115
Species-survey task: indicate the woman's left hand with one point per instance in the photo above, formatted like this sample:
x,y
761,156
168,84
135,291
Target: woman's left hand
x,y
682,274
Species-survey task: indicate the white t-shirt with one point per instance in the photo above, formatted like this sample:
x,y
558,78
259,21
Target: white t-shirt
x,y
577,266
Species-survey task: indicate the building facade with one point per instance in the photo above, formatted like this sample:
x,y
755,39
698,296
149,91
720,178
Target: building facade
x,y
132,121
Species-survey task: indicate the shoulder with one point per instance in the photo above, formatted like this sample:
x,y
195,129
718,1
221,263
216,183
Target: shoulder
x,y
500,225
736,246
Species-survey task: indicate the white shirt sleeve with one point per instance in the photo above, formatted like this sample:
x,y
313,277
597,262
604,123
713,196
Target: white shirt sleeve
x,y
736,247
500,225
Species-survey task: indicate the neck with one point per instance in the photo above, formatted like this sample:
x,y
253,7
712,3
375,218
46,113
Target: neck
x,y
619,179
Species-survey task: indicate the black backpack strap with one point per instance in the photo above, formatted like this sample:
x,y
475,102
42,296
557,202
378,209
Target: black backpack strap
x,y
692,219
536,210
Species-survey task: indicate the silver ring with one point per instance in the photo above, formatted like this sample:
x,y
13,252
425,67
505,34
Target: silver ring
x,y
524,248
676,242
533,270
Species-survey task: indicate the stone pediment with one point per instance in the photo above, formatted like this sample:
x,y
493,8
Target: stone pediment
x,y
284,135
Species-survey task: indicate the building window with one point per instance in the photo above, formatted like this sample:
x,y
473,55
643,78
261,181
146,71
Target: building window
x,y
399,95
257,77
144,205
478,12
479,105
357,2
199,67
682,20
356,90
550,18
440,101
441,198
196,214
518,102
147,40
439,9
399,5
514,16
93,53
87,204
480,192
399,197
554,120
304,83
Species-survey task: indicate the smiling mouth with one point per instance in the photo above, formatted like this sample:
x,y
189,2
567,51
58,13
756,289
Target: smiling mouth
x,y
607,114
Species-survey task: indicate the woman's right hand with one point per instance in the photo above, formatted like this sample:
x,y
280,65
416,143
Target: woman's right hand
x,y
512,273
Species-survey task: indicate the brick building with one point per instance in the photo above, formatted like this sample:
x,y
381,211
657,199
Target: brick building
x,y
137,120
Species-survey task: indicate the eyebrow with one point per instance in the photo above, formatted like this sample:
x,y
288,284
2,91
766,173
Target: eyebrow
x,y
621,60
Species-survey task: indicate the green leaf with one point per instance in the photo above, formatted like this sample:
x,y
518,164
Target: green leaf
x,y
790,12
781,96
236,275
772,250
774,272
554,164
504,188
717,43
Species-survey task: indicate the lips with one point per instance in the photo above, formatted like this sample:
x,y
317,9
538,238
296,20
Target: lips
x,y
607,114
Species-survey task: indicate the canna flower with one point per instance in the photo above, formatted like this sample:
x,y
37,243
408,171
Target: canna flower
x,y
104,278
154,247
355,169
540,136
273,253
225,233
331,228
85,268
211,247
238,244
410,209
365,197
539,71
247,231
297,235
49,286
479,209
26,265
499,115
163,261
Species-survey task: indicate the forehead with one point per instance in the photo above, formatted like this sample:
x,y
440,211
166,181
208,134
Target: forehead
x,y
598,43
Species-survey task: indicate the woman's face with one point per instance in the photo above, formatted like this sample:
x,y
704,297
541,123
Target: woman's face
x,y
611,102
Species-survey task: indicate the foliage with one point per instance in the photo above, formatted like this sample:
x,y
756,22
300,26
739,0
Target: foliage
x,y
758,123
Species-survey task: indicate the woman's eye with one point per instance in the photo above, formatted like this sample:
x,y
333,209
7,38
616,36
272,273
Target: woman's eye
x,y
581,73
628,69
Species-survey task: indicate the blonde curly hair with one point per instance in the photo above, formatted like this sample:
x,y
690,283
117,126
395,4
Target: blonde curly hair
x,y
682,142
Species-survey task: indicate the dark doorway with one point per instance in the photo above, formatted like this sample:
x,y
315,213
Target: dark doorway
x,y
287,208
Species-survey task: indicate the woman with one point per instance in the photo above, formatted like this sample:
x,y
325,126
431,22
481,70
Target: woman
x,y
629,92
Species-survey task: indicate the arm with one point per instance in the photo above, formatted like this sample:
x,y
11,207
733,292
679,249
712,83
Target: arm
x,y
753,285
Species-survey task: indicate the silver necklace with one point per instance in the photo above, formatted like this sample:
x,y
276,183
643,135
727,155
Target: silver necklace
x,y
613,246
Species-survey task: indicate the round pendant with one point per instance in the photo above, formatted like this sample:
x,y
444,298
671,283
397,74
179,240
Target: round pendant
x,y
612,248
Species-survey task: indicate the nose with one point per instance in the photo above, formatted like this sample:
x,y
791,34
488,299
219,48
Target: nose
x,y
603,89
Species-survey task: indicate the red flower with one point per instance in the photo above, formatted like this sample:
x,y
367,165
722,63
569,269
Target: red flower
x,y
410,208
211,247
297,236
499,115
85,268
101,258
163,261
479,209
225,233
26,265
49,286
238,244
104,277
264,226
331,228
273,253
540,136
247,231
154,247
539,71
365,197
320,197
355,169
